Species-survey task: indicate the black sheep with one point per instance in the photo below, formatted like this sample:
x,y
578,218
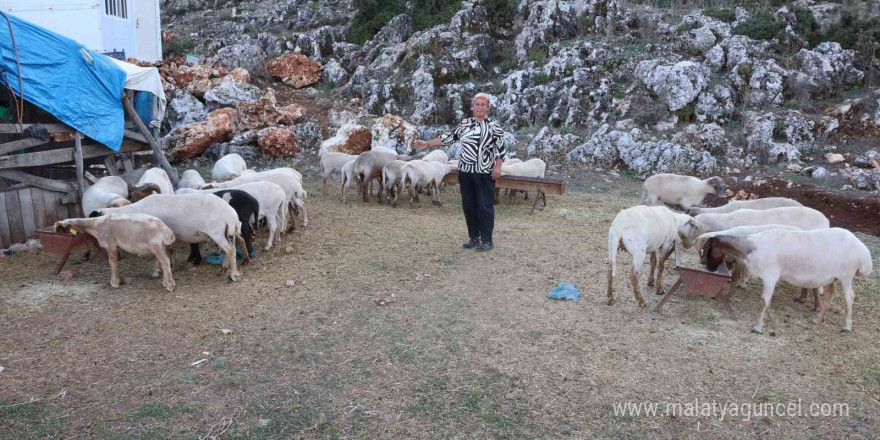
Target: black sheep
x,y
245,206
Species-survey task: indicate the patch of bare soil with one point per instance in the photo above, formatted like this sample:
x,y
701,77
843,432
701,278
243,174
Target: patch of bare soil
x,y
466,345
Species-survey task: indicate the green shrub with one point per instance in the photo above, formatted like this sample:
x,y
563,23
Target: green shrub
x,y
538,55
846,31
372,15
177,47
726,15
501,14
761,26
541,78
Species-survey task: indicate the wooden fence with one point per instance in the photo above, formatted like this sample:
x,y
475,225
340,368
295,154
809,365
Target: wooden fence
x,y
24,210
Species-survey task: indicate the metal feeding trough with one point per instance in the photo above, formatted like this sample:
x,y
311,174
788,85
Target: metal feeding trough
x,y
63,243
701,282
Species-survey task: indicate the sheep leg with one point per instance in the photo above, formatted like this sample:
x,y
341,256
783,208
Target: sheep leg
x,y
767,295
411,196
610,281
662,264
227,246
302,207
651,271
195,255
824,304
848,295
245,249
113,254
272,221
165,263
803,296
638,263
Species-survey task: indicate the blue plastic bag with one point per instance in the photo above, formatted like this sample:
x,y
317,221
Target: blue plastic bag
x,y
216,258
565,291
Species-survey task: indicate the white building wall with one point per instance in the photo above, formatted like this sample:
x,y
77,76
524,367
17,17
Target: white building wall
x,y
76,19
119,33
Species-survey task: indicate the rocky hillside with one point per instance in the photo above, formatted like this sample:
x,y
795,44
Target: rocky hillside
x,y
769,87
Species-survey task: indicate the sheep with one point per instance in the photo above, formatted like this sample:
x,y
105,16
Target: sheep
x,y
810,259
759,204
110,191
193,218
153,181
383,149
420,172
228,167
245,206
797,216
347,177
530,168
391,179
287,178
643,230
271,199
511,161
436,156
333,162
139,234
191,179
684,191
368,166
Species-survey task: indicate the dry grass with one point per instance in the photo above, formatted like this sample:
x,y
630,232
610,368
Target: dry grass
x,y
469,347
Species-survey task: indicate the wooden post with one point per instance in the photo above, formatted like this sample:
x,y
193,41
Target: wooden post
x,y
78,157
157,152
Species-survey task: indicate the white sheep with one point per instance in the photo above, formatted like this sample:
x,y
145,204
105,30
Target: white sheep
x,y
332,162
646,230
391,174
810,259
110,191
139,234
153,181
271,199
677,190
759,204
797,216
347,178
428,174
436,156
530,168
228,167
193,218
191,179
511,161
287,178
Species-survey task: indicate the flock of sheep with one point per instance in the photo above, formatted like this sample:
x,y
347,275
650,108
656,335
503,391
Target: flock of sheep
x,y
394,172
774,239
151,215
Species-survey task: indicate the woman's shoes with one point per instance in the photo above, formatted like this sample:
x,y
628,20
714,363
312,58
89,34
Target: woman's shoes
x,y
472,243
484,247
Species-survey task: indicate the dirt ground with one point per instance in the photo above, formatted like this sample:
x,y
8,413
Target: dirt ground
x,y
469,346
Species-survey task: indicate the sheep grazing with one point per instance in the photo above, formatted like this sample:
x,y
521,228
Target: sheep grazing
x,y
797,216
332,162
246,207
421,173
368,166
288,179
193,218
107,192
228,167
347,177
153,181
644,230
757,204
271,199
676,190
810,259
139,234
391,179
436,156
191,179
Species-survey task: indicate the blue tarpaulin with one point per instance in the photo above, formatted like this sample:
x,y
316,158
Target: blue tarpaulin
x,y
81,88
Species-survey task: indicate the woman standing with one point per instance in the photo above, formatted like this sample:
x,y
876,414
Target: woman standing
x,y
482,151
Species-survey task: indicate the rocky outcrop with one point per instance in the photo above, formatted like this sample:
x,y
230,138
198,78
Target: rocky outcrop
x,y
251,57
827,69
349,139
678,85
183,109
546,21
277,142
230,92
295,70
550,146
192,140
392,131
264,112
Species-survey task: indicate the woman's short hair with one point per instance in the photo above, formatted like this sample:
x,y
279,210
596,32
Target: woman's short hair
x,y
480,96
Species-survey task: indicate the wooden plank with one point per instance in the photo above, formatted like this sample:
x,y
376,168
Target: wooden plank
x,y
40,182
5,236
554,186
52,128
51,210
27,212
127,163
13,212
111,165
157,152
39,207
91,178
136,136
62,155
78,159
60,208
21,144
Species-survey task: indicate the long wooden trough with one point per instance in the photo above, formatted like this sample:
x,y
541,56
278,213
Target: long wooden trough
x,y
541,185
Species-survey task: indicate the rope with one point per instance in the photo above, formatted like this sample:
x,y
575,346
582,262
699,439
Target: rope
x,y
19,103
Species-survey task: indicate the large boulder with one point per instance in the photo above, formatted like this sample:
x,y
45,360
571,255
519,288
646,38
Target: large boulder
x,y
349,139
230,92
827,69
277,142
183,109
677,85
295,70
334,73
192,140
764,81
247,56
394,132
264,112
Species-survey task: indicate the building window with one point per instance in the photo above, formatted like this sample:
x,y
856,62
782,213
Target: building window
x,y
116,8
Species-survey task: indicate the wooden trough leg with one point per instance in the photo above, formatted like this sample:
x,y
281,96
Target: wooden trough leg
x,y
62,263
668,295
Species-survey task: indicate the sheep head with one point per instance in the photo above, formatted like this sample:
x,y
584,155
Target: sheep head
x,y
141,192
